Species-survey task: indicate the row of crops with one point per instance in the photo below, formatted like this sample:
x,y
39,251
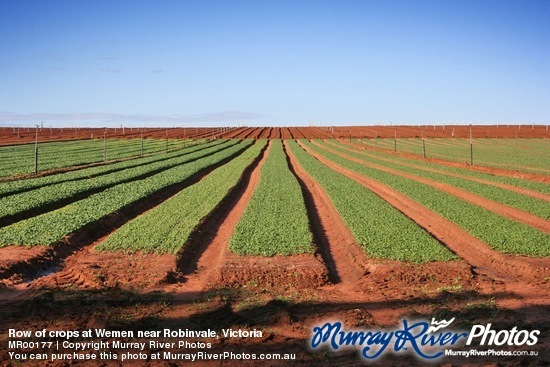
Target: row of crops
x,y
20,159
528,155
44,210
50,227
75,184
500,233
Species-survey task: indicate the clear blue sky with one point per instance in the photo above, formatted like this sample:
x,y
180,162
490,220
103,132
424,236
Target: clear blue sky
x,y
274,62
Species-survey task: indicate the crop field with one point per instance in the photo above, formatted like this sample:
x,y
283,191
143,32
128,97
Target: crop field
x,y
275,228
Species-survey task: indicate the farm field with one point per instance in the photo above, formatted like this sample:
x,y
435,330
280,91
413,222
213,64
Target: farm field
x,y
276,229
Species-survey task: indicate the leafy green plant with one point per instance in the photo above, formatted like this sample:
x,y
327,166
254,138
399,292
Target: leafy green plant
x,y
275,220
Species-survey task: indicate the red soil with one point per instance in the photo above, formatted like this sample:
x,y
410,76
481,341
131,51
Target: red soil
x,y
283,296
10,135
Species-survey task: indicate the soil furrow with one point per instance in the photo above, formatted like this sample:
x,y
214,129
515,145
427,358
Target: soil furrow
x,y
500,209
207,241
247,132
343,257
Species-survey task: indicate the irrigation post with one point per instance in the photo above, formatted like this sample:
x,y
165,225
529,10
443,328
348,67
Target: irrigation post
x,y
395,140
36,152
105,146
350,136
423,143
471,148
166,140
141,131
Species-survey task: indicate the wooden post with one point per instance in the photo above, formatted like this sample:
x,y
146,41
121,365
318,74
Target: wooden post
x,y
471,148
36,152
423,144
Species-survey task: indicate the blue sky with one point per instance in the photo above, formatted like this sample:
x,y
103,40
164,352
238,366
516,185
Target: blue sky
x,y
187,63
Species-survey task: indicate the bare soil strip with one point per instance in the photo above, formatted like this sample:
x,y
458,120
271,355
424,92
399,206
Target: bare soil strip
x,y
485,169
345,260
234,133
290,133
202,245
298,131
470,248
52,257
519,190
500,209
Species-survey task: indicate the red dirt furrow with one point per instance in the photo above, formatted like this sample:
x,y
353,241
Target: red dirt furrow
x,y
474,251
296,134
340,252
246,133
256,131
234,133
211,242
21,135
519,190
289,133
300,132
485,169
500,209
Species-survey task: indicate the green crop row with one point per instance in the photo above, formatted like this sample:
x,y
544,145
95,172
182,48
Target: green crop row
x,y
14,204
500,233
531,185
381,230
50,227
167,227
20,159
528,155
526,203
275,220
16,186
